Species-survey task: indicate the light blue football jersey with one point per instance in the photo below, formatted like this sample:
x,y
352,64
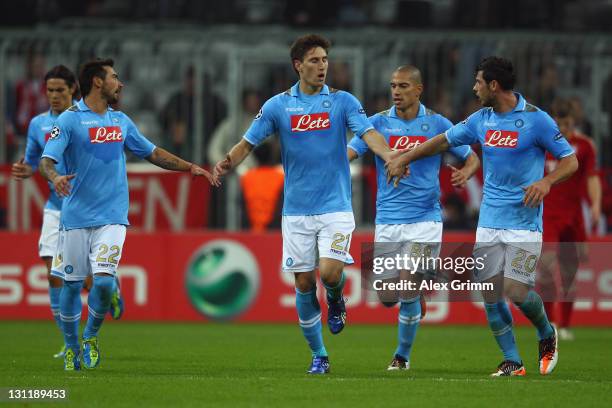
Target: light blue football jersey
x,y
416,198
39,132
513,149
312,131
92,146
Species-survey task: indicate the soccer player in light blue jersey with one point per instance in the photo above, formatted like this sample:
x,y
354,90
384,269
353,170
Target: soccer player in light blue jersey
x,y
311,119
408,218
90,138
61,87
515,136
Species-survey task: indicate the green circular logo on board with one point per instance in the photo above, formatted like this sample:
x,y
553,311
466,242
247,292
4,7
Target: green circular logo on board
x,y
222,279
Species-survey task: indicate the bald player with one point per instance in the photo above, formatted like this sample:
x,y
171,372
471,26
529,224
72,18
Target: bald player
x,y
409,217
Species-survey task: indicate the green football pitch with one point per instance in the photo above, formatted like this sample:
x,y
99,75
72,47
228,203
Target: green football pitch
x,y
264,365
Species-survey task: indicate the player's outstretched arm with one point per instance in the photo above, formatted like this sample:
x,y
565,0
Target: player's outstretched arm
x,y
460,177
377,143
433,146
235,156
60,183
21,170
166,160
535,193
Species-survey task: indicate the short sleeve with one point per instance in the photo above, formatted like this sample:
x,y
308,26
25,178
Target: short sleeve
x,y
263,125
60,137
461,152
136,142
548,136
443,124
356,118
358,146
33,149
465,132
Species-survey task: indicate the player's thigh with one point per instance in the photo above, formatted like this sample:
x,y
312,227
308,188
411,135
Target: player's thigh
x,y
71,261
490,251
387,245
106,248
520,266
49,234
299,244
335,231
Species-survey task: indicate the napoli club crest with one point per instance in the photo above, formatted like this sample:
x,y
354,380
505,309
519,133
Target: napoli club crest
x,y
519,123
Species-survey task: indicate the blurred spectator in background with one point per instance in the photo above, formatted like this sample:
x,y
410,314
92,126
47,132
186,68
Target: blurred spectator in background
x,y
11,141
548,83
262,188
339,76
230,131
583,125
30,93
177,118
376,103
311,13
443,103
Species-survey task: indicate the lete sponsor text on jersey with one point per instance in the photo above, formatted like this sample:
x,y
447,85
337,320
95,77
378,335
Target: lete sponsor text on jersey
x,y
501,138
310,122
105,134
406,142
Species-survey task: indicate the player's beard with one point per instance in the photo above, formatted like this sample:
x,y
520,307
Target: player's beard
x,y
487,101
112,97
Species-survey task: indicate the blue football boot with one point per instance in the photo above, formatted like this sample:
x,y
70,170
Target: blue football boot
x,y
336,315
319,365
91,353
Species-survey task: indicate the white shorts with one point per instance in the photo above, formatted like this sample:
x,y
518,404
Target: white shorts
x,y
325,235
513,252
85,251
49,234
419,239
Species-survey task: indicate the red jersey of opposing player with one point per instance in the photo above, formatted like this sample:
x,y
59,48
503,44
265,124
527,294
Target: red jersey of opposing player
x,y
563,221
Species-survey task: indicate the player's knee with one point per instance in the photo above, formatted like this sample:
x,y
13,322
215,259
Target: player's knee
x,y
304,282
516,295
331,273
104,283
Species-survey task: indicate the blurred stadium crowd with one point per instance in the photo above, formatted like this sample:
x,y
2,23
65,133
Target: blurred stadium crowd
x,y
194,89
590,15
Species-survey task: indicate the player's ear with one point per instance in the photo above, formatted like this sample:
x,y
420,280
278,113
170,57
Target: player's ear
x,y
420,88
494,85
97,81
297,65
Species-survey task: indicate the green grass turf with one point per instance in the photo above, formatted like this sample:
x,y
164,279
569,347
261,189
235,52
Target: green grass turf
x,y
264,365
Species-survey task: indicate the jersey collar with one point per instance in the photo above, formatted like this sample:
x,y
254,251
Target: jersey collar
x,y
84,108
295,90
521,103
422,112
